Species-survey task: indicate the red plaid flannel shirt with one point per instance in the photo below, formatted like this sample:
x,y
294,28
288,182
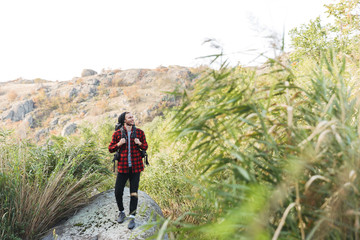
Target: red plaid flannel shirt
x,y
137,164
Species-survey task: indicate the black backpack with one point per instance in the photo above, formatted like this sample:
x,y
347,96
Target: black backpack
x,y
143,153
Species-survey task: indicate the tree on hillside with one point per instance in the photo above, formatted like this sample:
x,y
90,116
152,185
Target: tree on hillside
x,y
341,34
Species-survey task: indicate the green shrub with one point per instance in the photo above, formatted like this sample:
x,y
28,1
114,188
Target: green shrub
x,y
40,185
168,179
340,33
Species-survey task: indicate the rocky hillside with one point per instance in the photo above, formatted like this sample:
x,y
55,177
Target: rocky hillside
x,y
36,108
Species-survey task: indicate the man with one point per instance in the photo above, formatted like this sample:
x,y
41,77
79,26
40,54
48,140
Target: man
x,y
130,163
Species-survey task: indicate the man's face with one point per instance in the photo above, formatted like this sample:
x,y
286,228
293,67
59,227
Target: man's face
x,y
129,119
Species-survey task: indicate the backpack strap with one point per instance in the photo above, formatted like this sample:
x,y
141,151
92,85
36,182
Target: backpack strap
x,y
133,132
123,134
146,158
143,152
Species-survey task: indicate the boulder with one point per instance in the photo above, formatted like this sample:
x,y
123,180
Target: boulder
x,y
54,123
151,76
63,120
89,90
97,220
129,77
93,81
73,93
69,129
41,133
18,112
88,72
179,75
30,120
8,115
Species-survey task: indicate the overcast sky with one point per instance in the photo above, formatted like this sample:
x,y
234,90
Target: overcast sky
x,y
56,40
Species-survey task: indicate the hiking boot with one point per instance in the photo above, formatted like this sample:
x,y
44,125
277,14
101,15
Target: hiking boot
x,y
131,223
121,217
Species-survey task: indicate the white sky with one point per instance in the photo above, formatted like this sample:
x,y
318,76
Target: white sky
x,y
56,40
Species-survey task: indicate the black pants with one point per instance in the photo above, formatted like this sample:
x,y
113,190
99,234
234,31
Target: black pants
x,y
121,179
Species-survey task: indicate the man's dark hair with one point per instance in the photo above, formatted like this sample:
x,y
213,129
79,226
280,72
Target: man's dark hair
x,y
121,118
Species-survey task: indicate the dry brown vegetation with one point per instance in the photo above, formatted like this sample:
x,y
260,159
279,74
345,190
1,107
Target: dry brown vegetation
x,y
103,90
114,92
12,95
101,106
161,69
132,93
39,80
117,81
79,81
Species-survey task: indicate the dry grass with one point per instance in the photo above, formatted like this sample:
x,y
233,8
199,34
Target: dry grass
x,y
82,97
132,94
40,97
101,106
113,93
39,80
12,95
161,69
117,81
52,202
79,81
103,90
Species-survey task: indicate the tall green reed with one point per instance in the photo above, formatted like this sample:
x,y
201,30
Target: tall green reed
x,y
279,152
168,178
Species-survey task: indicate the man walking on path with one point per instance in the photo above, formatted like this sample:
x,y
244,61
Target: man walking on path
x,y
127,142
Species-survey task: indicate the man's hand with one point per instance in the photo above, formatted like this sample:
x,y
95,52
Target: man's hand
x,y
121,142
137,141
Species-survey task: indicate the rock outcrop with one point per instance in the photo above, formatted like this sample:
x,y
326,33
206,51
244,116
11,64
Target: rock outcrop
x,y
88,72
98,220
18,112
90,98
41,133
69,129
129,77
30,120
